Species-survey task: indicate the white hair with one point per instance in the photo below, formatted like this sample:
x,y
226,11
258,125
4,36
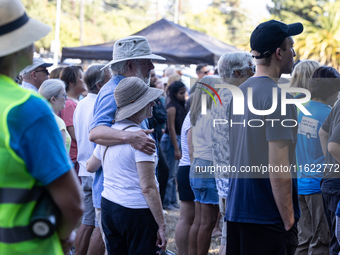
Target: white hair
x,y
51,87
230,62
169,71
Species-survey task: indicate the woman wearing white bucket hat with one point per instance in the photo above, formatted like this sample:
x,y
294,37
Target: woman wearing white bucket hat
x,y
132,214
32,154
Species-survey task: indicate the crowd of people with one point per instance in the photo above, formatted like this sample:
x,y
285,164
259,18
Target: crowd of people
x,y
237,146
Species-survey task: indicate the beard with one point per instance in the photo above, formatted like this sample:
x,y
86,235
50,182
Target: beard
x,y
140,75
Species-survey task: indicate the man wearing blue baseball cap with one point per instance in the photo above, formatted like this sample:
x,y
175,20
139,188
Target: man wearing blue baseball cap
x,y
262,208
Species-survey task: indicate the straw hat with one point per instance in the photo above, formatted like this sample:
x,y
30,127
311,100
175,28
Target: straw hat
x,y
132,47
132,95
17,30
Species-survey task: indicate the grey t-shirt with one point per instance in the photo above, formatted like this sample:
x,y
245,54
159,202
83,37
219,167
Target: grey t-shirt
x,y
332,127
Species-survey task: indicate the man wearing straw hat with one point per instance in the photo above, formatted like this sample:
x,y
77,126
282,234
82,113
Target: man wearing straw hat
x,y
33,159
132,56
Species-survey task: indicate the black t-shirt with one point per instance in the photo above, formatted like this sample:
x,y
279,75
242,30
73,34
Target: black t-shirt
x,y
332,127
180,116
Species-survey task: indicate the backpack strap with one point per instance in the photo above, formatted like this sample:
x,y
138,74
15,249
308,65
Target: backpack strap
x,y
109,146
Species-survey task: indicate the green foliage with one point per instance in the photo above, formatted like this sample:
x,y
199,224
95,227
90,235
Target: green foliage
x,y
107,20
103,22
320,39
223,20
301,8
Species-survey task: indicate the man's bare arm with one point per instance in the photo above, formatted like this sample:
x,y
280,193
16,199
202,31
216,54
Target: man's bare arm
x,y
139,140
67,195
281,182
334,150
323,140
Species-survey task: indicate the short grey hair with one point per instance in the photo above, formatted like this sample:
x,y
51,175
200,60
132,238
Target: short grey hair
x,y
230,62
94,75
51,87
169,71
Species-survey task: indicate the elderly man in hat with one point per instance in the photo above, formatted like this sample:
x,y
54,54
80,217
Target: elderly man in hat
x,y
262,207
131,57
34,75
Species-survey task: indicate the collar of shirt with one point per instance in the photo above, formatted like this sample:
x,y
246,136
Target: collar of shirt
x,y
91,96
28,86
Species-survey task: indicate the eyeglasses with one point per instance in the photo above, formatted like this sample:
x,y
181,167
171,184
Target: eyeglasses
x,y
47,73
64,96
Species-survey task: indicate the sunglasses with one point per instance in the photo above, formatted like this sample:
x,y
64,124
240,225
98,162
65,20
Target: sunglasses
x,y
47,73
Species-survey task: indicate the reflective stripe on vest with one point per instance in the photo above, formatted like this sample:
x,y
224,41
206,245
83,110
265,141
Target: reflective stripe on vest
x,y
15,235
20,196
19,191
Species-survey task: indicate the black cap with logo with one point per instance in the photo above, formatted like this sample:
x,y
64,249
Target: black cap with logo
x,y
269,35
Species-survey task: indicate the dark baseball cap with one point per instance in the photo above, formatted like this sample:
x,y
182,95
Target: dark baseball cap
x,y
269,35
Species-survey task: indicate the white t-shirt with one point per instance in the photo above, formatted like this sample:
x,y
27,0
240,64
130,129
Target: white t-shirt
x,y
185,159
201,137
82,119
121,180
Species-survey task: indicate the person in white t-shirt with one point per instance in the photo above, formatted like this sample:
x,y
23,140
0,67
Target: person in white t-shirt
x,y
89,238
132,215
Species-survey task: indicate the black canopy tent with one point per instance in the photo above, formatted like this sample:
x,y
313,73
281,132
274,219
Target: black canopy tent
x,y
179,45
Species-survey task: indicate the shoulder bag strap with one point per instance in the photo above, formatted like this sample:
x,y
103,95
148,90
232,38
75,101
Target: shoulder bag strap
x,y
109,146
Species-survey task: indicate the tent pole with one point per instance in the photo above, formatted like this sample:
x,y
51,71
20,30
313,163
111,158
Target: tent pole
x,y
176,11
56,38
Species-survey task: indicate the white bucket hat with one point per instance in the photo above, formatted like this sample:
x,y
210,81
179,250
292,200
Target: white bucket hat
x,y
132,47
132,95
17,30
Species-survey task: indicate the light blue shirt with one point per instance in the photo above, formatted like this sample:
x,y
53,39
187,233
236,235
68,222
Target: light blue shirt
x,y
28,86
104,111
308,148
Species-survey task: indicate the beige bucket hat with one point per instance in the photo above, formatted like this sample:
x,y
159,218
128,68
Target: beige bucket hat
x,y
17,30
132,47
132,95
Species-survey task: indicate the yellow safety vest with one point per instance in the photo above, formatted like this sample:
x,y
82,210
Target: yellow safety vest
x,y
19,191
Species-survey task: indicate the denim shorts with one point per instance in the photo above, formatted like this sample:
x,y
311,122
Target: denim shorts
x,y
204,189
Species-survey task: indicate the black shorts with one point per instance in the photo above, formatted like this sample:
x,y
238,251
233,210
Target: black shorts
x,y
184,189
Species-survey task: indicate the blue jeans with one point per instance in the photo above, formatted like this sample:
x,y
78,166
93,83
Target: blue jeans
x,y
169,151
